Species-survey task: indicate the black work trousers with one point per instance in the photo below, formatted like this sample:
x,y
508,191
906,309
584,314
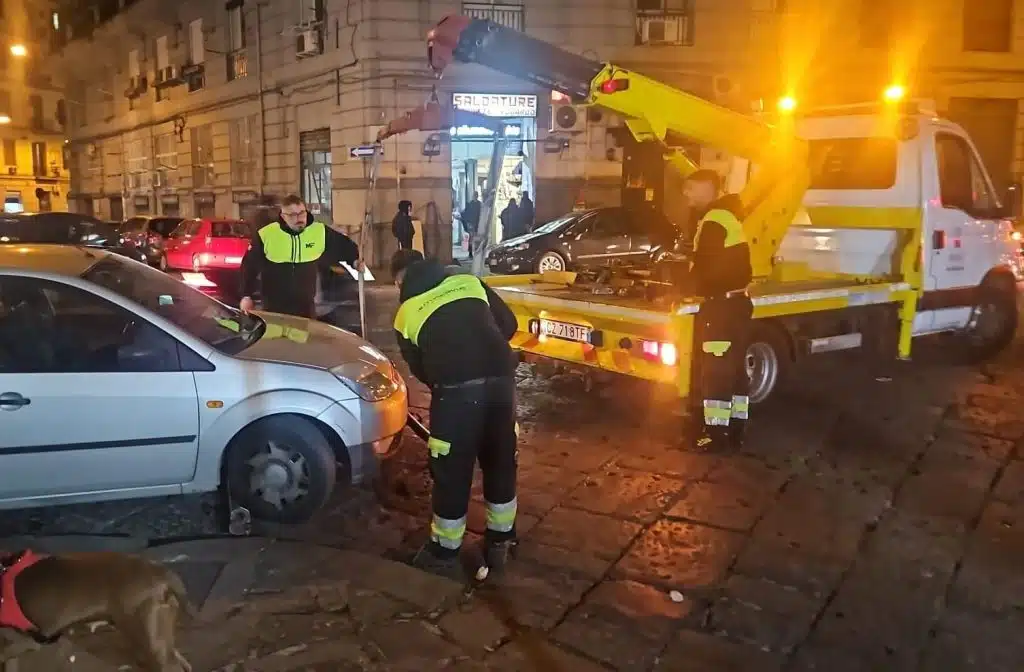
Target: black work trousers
x,y
470,423
723,332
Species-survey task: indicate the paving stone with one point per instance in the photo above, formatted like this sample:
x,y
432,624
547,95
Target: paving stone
x,y
991,578
915,551
680,556
748,473
966,641
768,615
951,441
406,643
814,574
527,654
670,461
990,417
586,533
814,658
625,494
700,652
535,595
475,627
623,623
199,578
569,452
734,507
927,493
564,559
1010,487
369,607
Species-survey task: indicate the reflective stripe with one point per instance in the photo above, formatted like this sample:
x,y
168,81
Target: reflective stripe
x,y
414,312
716,348
502,517
291,333
228,324
717,412
733,227
438,447
281,247
517,430
446,532
740,407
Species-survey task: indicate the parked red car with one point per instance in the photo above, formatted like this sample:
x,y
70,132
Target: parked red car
x,y
204,244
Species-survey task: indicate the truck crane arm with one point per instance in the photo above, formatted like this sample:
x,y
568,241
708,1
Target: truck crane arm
x,y
653,112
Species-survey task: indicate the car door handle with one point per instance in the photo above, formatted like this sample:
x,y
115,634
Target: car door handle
x,y
12,401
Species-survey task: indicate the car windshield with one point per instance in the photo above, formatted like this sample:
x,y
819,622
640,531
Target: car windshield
x,y
225,328
555,225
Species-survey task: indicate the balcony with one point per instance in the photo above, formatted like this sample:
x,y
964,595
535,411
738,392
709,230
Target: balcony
x,y
661,28
238,65
508,15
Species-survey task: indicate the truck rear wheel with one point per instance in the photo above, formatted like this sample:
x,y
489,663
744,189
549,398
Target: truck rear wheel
x,y
769,360
993,322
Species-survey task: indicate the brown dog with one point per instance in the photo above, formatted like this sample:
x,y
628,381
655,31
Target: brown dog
x,y
140,598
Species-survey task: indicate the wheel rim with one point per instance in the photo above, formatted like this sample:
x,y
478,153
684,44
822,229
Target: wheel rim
x,y
279,477
986,324
762,364
550,262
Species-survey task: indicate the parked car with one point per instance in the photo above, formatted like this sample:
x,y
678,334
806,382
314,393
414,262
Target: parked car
x,y
64,228
149,235
118,381
598,237
205,244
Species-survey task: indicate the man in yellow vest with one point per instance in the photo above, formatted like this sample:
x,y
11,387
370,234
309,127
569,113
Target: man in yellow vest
x,y
721,272
453,331
286,255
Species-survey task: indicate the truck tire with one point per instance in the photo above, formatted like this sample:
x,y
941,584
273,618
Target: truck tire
x,y
769,360
993,322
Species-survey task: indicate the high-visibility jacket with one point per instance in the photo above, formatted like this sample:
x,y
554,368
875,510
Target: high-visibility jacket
x,y
721,255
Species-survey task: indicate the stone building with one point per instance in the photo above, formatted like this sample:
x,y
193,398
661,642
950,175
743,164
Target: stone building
x,y
198,108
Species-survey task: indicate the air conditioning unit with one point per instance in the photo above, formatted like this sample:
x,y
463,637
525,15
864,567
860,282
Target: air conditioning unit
x,y
307,43
663,29
568,118
171,74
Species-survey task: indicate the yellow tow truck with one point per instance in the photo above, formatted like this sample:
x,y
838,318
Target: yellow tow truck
x,y
868,225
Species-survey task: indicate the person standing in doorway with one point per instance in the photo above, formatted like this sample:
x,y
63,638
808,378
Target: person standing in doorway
x,y
470,218
401,225
526,213
510,221
284,258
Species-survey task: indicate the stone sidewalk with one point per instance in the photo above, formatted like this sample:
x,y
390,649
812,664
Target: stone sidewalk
x,y
272,606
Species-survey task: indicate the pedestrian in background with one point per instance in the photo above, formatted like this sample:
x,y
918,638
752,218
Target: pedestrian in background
x,y
401,225
470,218
526,213
510,220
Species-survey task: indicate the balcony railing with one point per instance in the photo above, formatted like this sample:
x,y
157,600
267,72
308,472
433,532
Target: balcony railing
x,y
664,28
508,15
238,65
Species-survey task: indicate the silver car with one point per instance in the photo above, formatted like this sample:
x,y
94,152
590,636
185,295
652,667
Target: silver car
x,y
118,381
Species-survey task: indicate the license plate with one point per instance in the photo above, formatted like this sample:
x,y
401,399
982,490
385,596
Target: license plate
x,y
564,330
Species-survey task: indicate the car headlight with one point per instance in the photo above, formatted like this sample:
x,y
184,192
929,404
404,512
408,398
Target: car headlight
x,y
372,382
521,247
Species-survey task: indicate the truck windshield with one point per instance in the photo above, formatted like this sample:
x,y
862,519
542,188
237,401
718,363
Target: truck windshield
x,y
853,163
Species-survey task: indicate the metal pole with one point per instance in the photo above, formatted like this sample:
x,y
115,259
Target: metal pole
x,y
485,227
363,233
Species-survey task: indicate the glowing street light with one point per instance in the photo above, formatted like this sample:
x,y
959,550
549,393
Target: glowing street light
x,y
787,104
19,50
4,119
894,93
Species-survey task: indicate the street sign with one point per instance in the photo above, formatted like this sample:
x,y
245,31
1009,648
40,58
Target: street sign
x,y
364,151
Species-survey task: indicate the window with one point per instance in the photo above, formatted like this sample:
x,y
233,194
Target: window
x,y
189,227
664,22
134,64
988,26
167,159
203,171
35,105
244,160
10,152
49,327
196,42
39,158
237,61
608,224
164,225
136,164
876,20
508,13
962,181
311,12
853,163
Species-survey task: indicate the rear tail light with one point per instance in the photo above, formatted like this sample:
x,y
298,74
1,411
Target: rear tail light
x,y
666,353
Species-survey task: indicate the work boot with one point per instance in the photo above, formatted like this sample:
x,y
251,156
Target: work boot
x,y
435,559
737,433
712,440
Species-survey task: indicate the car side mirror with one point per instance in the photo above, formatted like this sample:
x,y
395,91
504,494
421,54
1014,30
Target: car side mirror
x,y
1012,202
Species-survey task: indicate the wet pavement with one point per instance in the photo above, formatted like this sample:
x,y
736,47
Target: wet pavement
x,y
875,521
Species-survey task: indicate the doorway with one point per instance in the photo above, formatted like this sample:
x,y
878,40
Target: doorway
x,y
471,159
315,165
116,205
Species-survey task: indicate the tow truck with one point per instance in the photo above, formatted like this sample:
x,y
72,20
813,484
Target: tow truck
x,y
869,225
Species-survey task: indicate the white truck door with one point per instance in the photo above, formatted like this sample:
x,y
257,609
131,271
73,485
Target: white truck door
x,y
960,231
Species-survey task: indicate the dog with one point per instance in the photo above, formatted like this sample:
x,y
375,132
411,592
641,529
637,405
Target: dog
x,y
140,598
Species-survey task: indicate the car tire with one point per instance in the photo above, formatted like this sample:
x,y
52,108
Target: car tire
x,y
768,361
281,468
993,322
551,261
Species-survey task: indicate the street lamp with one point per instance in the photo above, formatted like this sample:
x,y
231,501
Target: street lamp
x,y
19,50
787,104
4,119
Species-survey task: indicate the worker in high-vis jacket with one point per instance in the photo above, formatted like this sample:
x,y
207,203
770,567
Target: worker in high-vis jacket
x,y
453,331
285,257
721,272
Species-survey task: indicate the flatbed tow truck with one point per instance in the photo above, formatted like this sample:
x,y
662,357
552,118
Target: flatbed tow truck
x,y
868,225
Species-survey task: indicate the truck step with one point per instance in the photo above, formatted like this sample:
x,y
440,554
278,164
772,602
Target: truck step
x,y
833,343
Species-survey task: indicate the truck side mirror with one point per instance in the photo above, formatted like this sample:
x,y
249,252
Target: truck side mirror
x,y
1013,201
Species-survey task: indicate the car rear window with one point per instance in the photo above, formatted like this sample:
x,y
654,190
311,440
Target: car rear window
x,y
189,227
164,225
853,163
230,229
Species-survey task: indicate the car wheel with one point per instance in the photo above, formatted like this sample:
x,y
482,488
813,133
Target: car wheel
x,y
768,361
992,325
281,468
551,261
195,263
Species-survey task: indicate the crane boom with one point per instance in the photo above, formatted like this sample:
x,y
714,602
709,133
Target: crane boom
x,y
652,111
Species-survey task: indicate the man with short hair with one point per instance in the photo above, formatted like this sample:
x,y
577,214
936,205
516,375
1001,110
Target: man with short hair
x,y
286,255
453,331
721,271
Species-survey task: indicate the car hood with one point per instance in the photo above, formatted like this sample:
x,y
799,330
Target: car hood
x,y
519,240
298,340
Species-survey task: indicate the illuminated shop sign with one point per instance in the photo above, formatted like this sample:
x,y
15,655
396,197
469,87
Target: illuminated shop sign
x,y
496,104
511,131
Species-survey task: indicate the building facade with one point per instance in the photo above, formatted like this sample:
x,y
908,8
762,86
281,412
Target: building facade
x,y
198,108
33,113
